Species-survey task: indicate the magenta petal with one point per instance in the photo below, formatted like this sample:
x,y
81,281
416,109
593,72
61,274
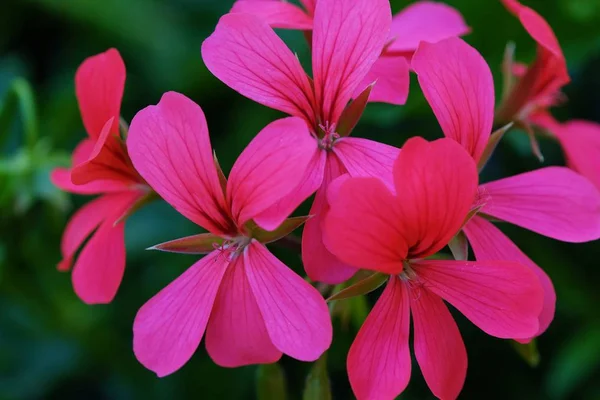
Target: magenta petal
x,y
458,85
169,146
168,328
270,218
379,360
236,333
392,77
271,167
295,313
278,14
363,157
426,21
99,85
61,178
249,57
99,268
503,298
489,243
439,348
554,201
581,143
348,37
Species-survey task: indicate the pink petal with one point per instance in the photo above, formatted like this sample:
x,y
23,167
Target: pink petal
x,y
168,328
83,151
236,333
249,57
319,263
503,298
83,223
436,185
270,168
581,143
426,21
379,360
99,85
99,268
169,146
554,201
363,157
458,85
363,227
309,5
270,218
489,243
392,75
278,14
295,314
348,37
439,348
61,178
108,161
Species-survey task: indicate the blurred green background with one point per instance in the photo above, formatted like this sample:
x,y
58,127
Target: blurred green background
x,y
53,346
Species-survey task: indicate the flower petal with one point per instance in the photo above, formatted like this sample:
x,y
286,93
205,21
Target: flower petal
x,y
170,148
489,243
271,166
581,143
363,157
439,348
168,328
379,359
236,333
249,57
348,37
458,85
554,201
392,77
436,185
99,85
503,298
108,161
270,218
426,21
61,178
278,14
319,263
99,268
363,227
82,224
295,314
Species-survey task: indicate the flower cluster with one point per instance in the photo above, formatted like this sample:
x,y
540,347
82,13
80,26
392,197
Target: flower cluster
x,y
375,207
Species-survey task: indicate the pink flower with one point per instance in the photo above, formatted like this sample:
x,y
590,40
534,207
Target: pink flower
x,y
246,54
370,227
538,85
100,166
251,305
555,202
421,21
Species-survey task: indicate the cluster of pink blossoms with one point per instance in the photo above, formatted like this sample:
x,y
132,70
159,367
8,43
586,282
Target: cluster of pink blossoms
x,y
375,207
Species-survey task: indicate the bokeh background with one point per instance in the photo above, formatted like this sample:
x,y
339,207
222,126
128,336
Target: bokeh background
x,y
52,346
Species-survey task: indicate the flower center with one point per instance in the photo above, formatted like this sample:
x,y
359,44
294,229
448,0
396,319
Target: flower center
x,y
233,247
329,136
408,273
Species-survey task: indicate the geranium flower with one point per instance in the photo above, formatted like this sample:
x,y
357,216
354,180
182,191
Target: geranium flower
x,y
252,306
370,227
101,166
246,54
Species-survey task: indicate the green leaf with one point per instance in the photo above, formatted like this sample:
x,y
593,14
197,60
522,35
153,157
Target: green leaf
x,y
459,246
287,227
19,94
352,113
361,287
528,352
270,383
317,385
195,244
